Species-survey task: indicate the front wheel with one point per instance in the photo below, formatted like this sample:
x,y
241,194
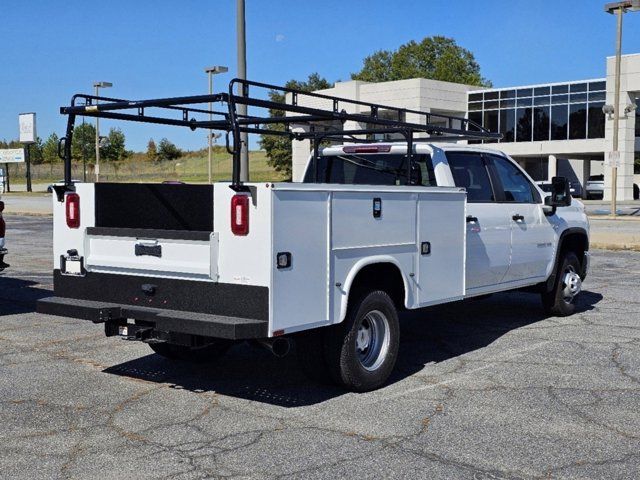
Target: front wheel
x,y
568,284
207,353
361,352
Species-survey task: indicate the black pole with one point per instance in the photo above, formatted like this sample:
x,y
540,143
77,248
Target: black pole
x,y
27,155
6,169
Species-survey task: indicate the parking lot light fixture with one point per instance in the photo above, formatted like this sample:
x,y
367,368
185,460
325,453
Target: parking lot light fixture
x,y
619,9
211,71
98,86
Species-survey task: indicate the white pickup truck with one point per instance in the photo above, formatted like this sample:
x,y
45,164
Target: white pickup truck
x,y
375,228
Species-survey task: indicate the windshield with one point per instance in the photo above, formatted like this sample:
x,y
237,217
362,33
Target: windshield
x,y
372,169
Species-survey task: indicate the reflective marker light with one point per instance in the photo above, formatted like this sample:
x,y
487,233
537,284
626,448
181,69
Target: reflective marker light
x,y
72,204
283,259
240,214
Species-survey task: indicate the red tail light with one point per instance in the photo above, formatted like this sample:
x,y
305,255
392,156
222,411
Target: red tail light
x,y
73,210
240,214
367,149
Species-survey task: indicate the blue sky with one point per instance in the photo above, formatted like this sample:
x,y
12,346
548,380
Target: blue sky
x,y
51,49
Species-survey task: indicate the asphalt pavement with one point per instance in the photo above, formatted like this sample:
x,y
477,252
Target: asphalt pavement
x,y
484,389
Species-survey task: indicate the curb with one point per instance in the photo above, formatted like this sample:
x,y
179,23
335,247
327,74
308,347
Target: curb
x,y
625,218
27,214
628,247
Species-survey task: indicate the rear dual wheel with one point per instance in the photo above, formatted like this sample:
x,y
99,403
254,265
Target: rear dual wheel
x,y
360,353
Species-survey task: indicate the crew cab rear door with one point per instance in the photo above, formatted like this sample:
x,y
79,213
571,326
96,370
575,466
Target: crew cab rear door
x,y
488,222
532,235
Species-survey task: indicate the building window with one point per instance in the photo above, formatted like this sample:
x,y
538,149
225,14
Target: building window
x,y
638,117
507,124
559,112
577,121
523,124
541,124
559,121
578,87
491,120
385,114
596,120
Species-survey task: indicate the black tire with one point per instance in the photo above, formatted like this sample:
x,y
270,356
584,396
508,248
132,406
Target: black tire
x,y
556,301
204,354
355,363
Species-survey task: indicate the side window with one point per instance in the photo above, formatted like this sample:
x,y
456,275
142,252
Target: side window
x,y
469,171
516,187
373,169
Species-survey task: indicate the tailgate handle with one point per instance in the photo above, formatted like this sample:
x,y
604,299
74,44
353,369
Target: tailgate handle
x,y
152,250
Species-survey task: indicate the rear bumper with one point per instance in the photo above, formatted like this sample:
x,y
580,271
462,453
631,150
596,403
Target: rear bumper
x,y
159,320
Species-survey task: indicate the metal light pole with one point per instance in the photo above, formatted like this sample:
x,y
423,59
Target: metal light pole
x,y
618,8
98,86
211,71
242,73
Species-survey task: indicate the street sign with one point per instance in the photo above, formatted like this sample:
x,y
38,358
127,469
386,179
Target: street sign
x,y
27,123
613,159
11,155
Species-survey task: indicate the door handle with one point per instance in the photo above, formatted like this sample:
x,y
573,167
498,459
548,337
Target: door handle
x,y
518,218
472,219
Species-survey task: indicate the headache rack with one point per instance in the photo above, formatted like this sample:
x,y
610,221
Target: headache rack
x,y
302,115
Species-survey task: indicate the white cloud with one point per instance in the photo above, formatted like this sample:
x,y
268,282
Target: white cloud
x,y
280,37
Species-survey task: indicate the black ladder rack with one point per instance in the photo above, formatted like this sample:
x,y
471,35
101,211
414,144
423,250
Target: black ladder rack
x,y
324,117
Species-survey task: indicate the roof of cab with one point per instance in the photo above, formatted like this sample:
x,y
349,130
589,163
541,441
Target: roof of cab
x,y
401,147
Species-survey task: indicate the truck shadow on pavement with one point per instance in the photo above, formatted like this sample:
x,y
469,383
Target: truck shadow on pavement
x,y
19,296
428,336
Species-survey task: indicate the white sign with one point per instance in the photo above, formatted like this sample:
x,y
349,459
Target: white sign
x,y
11,155
27,123
613,159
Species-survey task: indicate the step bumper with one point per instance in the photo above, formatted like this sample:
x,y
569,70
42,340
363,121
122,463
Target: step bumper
x,y
191,323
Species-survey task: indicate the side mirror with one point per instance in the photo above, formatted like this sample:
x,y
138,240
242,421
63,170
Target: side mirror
x,y
560,194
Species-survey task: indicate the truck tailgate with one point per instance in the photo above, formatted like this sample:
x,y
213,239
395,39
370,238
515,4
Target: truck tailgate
x,y
174,253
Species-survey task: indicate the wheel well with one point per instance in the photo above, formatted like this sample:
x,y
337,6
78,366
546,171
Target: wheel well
x,y
576,242
379,276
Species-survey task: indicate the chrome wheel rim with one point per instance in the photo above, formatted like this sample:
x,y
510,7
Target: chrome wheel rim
x,y
372,340
572,284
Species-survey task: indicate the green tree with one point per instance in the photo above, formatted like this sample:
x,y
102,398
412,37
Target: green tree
x,y
152,150
35,152
83,143
436,58
50,150
115,150
168,151
278,147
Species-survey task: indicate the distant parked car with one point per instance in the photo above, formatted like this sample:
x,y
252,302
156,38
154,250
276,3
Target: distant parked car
x,y
595,187
60,182
574,188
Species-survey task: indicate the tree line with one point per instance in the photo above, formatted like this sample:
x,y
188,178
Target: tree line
x,y
112,147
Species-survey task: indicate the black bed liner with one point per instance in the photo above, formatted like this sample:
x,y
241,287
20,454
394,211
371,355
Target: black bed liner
x,y
177,207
